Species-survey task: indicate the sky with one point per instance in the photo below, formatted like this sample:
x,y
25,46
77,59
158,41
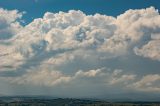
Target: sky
x,y
83,49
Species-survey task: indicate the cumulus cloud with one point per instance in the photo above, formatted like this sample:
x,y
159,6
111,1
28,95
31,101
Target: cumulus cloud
x,y
8,24
150,50
41,78
116,79
47,51
97,35
51,78
9,27
148,83
44,77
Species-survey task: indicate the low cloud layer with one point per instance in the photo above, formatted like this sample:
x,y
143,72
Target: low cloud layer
x,y
69,49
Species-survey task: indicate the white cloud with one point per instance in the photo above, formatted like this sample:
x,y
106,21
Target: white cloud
x,y
42,77
90,73
150,50
123,78
64,38
9,25
51,78
96,35
149,83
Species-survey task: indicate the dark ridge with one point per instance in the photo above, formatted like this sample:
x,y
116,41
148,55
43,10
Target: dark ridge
x,y
52,101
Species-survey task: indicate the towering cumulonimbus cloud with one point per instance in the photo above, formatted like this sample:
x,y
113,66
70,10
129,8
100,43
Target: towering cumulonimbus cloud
x,y
57,49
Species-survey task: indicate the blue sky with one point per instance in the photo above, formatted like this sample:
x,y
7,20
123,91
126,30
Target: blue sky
x,y
37,8
80,48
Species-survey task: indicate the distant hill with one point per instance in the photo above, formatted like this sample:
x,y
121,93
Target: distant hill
x,y
43,101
